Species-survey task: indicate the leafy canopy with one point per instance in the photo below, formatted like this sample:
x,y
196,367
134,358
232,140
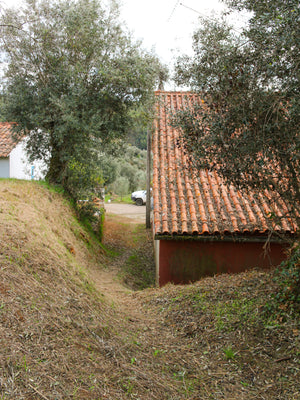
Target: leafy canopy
x,y
247,125
74,78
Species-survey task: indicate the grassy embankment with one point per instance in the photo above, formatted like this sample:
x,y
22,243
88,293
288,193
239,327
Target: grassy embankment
x,y
60,337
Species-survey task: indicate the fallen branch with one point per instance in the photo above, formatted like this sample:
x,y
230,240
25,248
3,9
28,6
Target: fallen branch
x,y
283,359
39,393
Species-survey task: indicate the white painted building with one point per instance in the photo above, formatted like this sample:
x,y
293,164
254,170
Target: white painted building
x,y
14,162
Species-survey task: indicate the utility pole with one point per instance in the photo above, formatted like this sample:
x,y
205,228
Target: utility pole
x,y
148,198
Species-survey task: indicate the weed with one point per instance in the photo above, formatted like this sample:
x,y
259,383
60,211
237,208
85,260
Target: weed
x,y
138,271
128,386
179,375
245,384
51,187
235,312
229,353
90,287
156,352
175,299
119,199
287,277
25,364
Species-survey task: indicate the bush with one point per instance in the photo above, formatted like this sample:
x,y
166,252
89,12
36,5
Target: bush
x,y
91,216
288,278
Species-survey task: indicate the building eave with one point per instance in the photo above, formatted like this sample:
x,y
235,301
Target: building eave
x,y
228,238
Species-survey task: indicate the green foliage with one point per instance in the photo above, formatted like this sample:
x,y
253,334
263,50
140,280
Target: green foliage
x,y
288,278
91,217
247,125
137,134
129,164
121,186
74,78
138,272
127,172
229,353
81,181
109,167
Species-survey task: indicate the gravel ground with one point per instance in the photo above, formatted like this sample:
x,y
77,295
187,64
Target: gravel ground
x,y
127,210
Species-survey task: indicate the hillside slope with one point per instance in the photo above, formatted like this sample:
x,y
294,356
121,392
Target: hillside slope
x,y
70,330
51,316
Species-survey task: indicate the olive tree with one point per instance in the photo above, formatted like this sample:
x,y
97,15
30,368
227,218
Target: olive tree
x,y
246,125
73,78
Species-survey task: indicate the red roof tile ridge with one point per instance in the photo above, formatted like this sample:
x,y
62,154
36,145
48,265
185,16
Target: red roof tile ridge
x,y
171,176
190,199
156,210
286,211
164,203
275,210
183,212
249,216
235,198
227,203
184,163
201,208
215,189
258,212
209,202
174,93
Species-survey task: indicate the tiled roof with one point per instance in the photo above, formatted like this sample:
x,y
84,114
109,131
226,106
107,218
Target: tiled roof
x,y
7,143
198,203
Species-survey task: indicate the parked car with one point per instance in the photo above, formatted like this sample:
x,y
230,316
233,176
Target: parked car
x,y
139,197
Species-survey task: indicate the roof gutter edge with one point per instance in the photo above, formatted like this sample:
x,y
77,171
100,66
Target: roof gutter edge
x,y
237,239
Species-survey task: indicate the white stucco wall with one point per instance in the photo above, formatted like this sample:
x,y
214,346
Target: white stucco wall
x,y
21,168
4,167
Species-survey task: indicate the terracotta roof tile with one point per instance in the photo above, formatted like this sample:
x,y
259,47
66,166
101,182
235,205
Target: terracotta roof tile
x,y
7,143
187,202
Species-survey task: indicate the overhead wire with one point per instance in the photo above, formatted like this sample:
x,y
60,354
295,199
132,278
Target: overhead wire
x,y
206,17
174,9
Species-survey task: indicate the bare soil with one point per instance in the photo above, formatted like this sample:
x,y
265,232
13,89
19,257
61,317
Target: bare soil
x,y
131,211
74,326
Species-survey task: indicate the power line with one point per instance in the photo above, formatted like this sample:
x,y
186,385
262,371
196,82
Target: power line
x,y
190,8
206,17
171,15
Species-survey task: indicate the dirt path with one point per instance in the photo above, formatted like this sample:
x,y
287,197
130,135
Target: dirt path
x,y
121,239
200,341
135,214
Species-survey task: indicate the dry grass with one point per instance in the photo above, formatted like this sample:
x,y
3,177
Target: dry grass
x,y
134,245
232,347
60,337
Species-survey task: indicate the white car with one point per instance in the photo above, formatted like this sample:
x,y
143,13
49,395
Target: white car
x,y
139,197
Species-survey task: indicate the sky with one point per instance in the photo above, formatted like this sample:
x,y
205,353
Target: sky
x,y
167,26
164,26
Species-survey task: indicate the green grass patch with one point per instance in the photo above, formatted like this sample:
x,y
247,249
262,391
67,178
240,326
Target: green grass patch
x,y
138,271
119,199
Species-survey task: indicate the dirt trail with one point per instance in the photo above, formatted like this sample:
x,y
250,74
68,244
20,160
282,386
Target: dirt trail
x,y
119,238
